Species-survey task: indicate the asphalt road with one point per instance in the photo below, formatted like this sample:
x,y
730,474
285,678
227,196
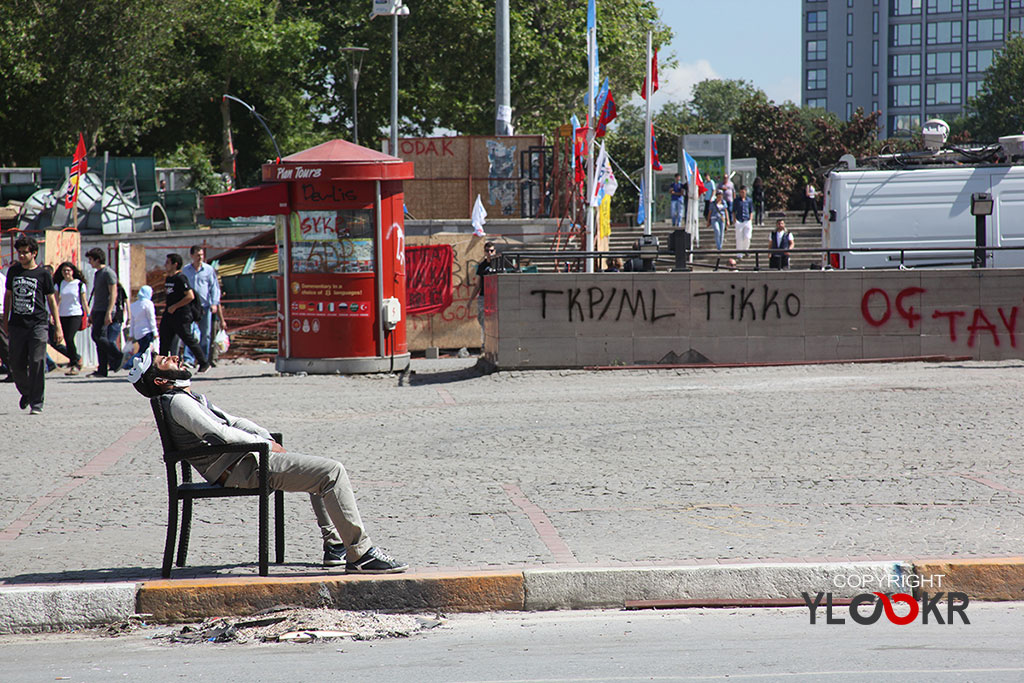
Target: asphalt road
x,y
571,647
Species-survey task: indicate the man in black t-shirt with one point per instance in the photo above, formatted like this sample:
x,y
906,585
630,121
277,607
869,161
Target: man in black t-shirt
x,y
28,290
488,266
177,317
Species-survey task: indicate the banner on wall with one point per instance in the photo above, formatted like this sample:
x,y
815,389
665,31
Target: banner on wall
x,y
428,284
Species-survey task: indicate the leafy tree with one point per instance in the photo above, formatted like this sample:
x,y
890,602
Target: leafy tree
x,y
998,108
98,67
718,101
446,52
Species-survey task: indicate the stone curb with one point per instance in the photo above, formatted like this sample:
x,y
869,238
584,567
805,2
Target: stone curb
x,y
63,607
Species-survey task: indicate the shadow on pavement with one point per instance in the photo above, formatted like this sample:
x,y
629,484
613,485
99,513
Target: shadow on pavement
x,y
114,574
415,379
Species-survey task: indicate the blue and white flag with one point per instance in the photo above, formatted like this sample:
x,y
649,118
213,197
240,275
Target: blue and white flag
x,y
640,206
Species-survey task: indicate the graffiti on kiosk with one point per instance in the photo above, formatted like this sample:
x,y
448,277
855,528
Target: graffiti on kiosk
x,y
745,303
879,309
441,148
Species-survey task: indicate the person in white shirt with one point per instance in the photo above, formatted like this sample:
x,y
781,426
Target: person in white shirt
x,y
72,304
811,202
4,348
143,320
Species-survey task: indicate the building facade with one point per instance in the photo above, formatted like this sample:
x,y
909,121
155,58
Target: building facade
x,y
910,59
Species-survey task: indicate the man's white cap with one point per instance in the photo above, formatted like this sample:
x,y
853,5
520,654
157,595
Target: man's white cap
x,y
140,364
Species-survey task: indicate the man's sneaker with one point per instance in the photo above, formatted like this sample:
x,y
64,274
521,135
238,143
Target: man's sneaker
x,y
36,410
375,561
204,367
23,403
334,555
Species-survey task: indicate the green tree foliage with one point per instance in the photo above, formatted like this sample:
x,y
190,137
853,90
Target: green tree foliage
x,y
90,66
447,63
998,108
718,101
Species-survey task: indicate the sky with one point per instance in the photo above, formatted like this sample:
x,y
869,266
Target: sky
x,y
756,40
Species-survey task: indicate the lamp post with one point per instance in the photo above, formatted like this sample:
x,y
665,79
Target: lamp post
x,y
981,208
394,9
355,64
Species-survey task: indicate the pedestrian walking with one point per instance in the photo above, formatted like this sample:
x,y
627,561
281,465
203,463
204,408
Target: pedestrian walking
x,y
30,306
106,323
718,214
677,193
74,310
178,312
757,195
781,242
143,325
203,280
742,215
811,202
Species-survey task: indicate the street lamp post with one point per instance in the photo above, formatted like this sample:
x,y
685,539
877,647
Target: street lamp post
x,y
355,64
394,9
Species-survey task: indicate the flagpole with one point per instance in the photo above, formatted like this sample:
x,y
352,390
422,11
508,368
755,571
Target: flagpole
x,y
648,176
591,124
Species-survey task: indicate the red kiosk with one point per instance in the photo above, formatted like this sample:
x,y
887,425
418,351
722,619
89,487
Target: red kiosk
x,y
341,250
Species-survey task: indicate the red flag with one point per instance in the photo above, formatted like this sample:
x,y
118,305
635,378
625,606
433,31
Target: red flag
x,y
580,152
608,114
655,161
79,167
654,77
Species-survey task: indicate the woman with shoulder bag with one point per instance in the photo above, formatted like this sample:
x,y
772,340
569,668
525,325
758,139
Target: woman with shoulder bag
x,y
73,309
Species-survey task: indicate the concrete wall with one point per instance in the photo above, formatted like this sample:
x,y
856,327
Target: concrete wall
x,y
576,320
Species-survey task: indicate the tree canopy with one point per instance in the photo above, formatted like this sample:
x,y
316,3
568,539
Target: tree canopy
x,y
998,108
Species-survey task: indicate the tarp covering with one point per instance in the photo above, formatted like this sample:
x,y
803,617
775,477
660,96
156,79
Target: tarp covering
x,y
262,200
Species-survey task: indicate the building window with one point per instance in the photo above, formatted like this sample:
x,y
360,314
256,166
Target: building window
x,y
941,63
942,93
905,65
903,8
817,103
983,5
816,79
874,106
874,23
849,24
849,53
944,32
904,123
982,30
905,95
849,85
817,50
904,35
849,110
874,53
973,88
817,20
942,6
1015,25
1016,4
979,60
874,84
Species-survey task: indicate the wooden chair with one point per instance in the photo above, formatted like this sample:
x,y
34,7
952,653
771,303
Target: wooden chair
x,y
186,491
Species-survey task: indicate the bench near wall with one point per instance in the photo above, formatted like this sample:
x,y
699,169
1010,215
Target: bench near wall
x,y
577,320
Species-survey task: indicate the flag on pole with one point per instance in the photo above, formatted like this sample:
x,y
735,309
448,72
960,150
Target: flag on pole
x,y
605,183
579,150
654,77
479,217
79,166
640,205
693,173
592,35
607,115
655,161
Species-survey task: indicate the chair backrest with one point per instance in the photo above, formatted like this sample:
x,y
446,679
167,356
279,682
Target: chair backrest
x,y
160,405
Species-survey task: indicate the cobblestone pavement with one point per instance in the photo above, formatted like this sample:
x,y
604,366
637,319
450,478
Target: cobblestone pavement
x,y
455,469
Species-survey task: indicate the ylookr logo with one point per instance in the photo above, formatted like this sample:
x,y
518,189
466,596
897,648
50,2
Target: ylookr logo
x,y
956,603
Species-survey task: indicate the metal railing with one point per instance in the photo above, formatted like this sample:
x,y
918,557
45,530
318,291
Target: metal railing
x,y
902,258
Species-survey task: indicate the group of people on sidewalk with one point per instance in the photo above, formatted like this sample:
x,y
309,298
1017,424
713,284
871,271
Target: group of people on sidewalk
x,y
725,206
40,307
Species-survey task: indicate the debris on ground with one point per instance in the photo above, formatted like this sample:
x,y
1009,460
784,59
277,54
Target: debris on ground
x,y
303,625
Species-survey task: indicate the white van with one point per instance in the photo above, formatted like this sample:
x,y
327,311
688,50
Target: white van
x,y
922,207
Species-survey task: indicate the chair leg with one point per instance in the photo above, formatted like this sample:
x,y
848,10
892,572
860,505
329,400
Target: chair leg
x,y
279,525
172,531
264,534
186,530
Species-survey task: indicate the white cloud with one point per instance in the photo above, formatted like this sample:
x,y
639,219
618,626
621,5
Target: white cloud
x,y
787,88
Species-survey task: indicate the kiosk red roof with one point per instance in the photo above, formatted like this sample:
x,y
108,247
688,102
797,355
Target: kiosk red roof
x,y
339,152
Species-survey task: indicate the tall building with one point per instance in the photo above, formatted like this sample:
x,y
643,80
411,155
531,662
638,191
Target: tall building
x,y
910,59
